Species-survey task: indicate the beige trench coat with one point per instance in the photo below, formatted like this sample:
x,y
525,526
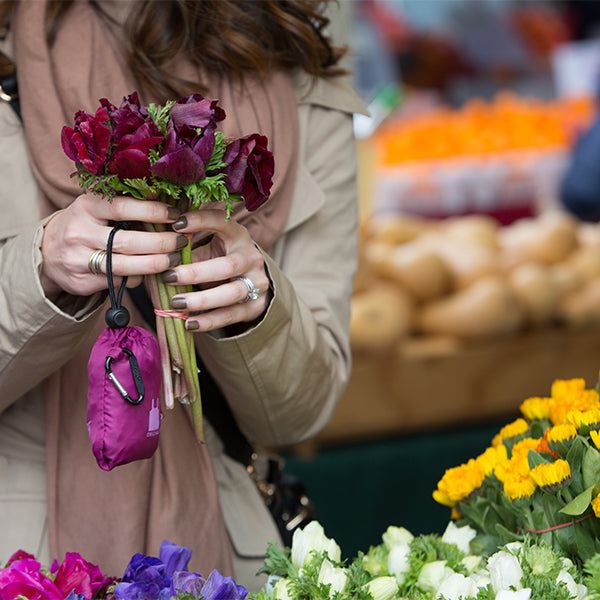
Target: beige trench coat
x,y
282,379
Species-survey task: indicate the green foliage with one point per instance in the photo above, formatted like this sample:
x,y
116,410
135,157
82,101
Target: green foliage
x,y
277,562
591,570
375,561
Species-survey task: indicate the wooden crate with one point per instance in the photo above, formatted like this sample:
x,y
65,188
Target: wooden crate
x,y
436,384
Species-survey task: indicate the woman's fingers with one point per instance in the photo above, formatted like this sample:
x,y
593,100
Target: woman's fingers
x,y
73,235
122,208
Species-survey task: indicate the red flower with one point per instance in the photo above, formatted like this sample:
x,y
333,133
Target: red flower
x,y
249,170
134,134
190,140
79,575
88,143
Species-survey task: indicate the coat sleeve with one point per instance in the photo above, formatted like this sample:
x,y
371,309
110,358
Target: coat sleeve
x,y
284,377
36,336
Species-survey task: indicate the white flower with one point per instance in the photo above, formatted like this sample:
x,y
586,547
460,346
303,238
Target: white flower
x,y
461,536
270,584
397,562
471,562
281,590
432,574
396,535
523,594
581,591
382,588
334,576
480,579
454,587
505,571
565,576
312,538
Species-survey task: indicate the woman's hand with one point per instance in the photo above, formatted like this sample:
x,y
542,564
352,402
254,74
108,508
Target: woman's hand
x,y
74,234
230,253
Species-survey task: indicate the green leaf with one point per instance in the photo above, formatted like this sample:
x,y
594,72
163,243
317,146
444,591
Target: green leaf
x,y
591,467
586,547
535,459
579,504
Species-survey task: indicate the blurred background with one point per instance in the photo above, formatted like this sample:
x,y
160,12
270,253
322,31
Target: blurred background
x,y
475,289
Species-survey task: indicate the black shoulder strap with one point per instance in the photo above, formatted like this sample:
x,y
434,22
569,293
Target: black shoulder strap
x,y
8,83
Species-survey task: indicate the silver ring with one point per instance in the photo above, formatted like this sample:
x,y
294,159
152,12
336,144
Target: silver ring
x,y
95,262
253,292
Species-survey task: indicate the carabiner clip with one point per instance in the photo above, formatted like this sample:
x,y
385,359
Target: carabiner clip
x,y
137,377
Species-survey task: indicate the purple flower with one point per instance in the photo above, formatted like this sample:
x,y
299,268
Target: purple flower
x,y
174,557
134,134
218,587
88,143
249,170
74,596
190,140
189,583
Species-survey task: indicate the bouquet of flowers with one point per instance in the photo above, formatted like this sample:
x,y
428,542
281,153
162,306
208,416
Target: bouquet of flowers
x,y
171,153
539,478
424,567
146,578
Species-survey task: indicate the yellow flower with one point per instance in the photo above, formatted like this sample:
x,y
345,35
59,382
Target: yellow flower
x,y
521,449
561,433
595,435
458,483
576,400
566,387
517,427
589,418
496,440
596,505
551,474
491,457
517,486
536,408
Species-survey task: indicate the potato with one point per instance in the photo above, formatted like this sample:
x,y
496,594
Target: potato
x,y
486,308
380,318
538,292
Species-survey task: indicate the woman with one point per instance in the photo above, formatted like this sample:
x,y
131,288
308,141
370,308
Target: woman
x,y
281,360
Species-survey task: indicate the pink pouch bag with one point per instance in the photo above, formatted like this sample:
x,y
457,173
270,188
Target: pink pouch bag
x,y
124,385
123,412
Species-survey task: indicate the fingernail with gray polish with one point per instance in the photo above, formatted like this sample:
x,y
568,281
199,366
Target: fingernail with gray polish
x,y
181,223
178,302
169,276
173,213
191,325
181,242
174,259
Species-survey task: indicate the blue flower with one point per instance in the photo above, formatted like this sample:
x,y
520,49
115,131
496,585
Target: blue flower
x,y
137,591
174,557
144,578
218,587
189,583
74,596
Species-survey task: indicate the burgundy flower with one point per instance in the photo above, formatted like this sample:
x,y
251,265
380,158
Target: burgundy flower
x,y
88,143
195,112
134,134
249,170
190,140
76,574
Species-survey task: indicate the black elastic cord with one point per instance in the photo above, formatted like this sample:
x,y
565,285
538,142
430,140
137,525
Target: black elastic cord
x,y
116,316
115,302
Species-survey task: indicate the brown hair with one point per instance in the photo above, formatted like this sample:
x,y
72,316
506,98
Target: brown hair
x,y
226,37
